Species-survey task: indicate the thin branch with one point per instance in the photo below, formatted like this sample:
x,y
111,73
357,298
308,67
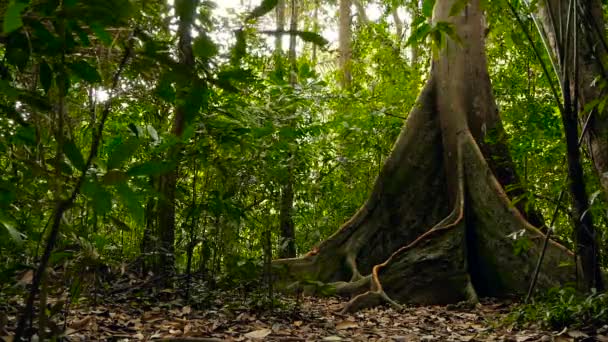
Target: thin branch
x,y
64,205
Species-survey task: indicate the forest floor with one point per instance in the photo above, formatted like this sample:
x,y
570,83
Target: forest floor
x,y
133,312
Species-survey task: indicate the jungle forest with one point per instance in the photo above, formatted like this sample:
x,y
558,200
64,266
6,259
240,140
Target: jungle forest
x,y
303,170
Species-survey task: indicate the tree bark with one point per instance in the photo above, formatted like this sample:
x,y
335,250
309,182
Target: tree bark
x,y
592,51
164,264
287,226
345,38
437,226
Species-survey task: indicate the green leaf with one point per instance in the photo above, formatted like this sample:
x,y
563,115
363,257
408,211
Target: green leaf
x,y
449,30
123,152
427,8
136,129
102,201
150,168
101,33
12,16
203,47
85,71
10,228
458,6
73,153
152,132
46,76
114,177
8,90
132,202
164,88
265,7
82,34
312,37
239,50
419,34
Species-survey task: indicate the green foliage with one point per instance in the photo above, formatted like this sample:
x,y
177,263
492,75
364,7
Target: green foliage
x,y
247,127
563,307
12,16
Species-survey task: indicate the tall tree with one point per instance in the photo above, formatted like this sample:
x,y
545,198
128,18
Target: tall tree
x,y
345,43
437,225
287,227
576,35
184,110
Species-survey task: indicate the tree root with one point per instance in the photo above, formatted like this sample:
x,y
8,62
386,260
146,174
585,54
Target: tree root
x,y
387,255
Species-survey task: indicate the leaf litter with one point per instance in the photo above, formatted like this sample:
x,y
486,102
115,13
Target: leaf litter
x,y
138,313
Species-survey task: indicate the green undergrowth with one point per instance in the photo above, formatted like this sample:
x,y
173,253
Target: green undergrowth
x,y
563,307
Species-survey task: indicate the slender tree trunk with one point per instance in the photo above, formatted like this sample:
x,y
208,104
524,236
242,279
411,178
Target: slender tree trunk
x,y
280,17
345,37
361,12
414,15
315,25
592,53
165,263
577,53
398,24
287,226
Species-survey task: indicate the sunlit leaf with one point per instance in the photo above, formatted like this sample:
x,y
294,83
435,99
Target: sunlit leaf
x,y
427,8
15,235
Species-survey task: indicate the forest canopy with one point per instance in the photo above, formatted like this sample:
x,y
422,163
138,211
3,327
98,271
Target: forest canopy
x,y
190,143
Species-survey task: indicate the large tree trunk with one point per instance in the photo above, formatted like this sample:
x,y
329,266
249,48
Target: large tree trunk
x,y
438,225
578,54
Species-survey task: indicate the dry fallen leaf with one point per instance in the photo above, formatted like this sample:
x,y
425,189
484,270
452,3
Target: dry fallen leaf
x,y
77,325
258,334
346,325
524,338
332,338
577,334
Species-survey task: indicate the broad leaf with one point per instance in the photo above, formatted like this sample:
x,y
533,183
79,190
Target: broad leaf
x,y
132,202
121,153
204,48
427,8
150,168
15,235
85,71
12,16
265,7
73,153
419,34
312,37
101,33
